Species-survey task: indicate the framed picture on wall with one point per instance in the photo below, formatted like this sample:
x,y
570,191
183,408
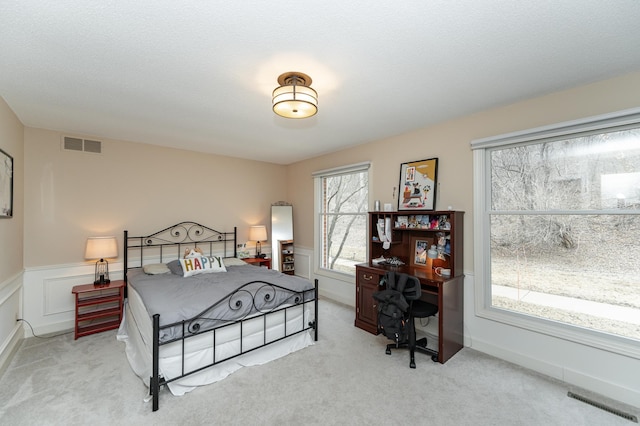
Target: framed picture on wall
x,y
418,183
6,185
418,257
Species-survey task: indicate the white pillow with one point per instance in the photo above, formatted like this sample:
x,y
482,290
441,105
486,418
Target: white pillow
x,y
155,268
202,265
234,261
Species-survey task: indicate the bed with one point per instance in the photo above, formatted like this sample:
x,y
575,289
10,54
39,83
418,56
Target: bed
x,y
185,326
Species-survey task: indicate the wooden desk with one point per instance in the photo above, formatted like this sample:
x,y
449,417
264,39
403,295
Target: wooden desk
x,y
447,293
259,261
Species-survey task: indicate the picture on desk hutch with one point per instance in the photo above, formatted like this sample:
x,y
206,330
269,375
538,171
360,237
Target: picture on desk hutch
x,y
418,256
418,183
6,185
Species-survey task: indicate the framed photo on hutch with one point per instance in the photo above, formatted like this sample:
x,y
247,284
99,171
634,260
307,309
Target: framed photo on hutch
x,y
418,256
6,185
418,183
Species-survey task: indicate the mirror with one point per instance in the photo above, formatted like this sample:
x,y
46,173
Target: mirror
x,y
281,229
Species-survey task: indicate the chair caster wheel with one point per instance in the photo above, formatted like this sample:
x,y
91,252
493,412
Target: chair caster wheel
x,y
434,358
388,351
412,365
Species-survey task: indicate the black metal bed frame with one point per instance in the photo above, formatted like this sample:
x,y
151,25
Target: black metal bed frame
x,y
193,234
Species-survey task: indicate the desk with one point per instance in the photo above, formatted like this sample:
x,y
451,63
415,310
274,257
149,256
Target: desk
x,y
447,293
259,261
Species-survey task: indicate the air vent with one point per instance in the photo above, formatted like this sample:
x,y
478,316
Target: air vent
x,y
603,406
81,145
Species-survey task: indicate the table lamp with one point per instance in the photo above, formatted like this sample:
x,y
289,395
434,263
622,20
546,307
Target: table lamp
x,y
258,233
101,248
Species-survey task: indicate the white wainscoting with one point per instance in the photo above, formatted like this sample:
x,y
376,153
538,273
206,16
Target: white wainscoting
x,y
302,261
49,305
10,309
338,287
600,371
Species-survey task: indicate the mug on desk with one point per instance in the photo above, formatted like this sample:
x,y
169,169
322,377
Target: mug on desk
x,y
442,272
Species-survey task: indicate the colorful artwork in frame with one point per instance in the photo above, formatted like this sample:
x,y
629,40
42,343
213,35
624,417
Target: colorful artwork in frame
x,y
418,183
6,185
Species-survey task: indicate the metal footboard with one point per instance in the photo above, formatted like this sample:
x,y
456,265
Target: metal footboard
x,y
203,323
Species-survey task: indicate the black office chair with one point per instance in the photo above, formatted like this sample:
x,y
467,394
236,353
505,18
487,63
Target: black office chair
x,y
417,309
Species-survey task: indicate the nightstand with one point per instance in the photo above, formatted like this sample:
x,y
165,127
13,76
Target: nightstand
x,y
259,261
98,308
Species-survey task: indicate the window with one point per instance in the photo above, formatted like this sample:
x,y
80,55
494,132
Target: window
x,y
343,201
558,229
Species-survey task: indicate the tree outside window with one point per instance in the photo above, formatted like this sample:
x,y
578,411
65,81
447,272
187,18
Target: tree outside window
x,y
564,226
343,220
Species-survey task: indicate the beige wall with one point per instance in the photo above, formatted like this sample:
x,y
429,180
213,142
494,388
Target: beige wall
x,y
11,237
138,187
450,143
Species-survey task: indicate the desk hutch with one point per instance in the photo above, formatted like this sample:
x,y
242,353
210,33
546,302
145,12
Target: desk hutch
x,y
406,227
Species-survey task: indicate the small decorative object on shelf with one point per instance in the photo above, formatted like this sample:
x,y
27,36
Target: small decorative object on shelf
x,y
287,259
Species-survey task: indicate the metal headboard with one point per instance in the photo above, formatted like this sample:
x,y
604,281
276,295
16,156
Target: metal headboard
x,y
169,243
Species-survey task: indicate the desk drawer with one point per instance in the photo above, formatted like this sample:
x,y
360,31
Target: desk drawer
x,y
367,283
367,277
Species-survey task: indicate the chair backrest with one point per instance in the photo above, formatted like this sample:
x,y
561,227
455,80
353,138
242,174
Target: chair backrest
x,y
406,284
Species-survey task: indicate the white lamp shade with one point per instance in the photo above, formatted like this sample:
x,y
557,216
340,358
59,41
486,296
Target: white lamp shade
x,y
258,233
101,248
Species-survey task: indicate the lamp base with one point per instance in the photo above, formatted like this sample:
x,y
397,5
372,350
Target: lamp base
x,y
102,283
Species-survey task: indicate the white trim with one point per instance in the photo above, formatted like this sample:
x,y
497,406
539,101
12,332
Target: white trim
x,y
482,202
317,190
10,307
565,373
10,346
598,122
9,287
342,170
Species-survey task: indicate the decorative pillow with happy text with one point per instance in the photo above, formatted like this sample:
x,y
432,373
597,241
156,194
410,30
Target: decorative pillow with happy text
x,y
202,265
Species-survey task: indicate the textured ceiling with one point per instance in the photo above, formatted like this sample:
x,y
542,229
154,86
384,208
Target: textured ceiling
x,y
198,75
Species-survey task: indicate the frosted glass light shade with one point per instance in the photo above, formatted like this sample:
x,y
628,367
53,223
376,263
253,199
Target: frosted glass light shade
x,y
294,98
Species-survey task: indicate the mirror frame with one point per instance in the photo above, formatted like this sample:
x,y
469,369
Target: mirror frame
x,y
281,229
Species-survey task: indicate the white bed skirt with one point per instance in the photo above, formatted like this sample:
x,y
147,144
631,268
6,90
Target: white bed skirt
x,y
136,332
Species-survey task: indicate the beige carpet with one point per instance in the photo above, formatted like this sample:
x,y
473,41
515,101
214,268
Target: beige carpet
x,y
344,379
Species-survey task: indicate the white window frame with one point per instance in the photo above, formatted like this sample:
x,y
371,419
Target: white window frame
x,y
317,177
482,250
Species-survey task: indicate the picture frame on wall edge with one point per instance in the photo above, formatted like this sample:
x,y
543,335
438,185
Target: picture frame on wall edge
x,y
6,185
418,185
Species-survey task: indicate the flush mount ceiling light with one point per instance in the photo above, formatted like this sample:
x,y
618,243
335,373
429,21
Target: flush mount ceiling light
x,y
294,98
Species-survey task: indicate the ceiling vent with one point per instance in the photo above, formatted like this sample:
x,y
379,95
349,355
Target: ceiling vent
x,y
81,145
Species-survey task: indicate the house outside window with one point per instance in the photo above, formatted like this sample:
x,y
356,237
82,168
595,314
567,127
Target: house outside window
x,y
558,230
342,202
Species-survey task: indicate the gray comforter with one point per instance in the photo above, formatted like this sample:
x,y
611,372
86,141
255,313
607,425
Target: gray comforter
x,y
207,296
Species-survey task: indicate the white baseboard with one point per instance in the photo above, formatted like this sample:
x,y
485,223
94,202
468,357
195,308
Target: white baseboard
x,y
10,347
562,373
